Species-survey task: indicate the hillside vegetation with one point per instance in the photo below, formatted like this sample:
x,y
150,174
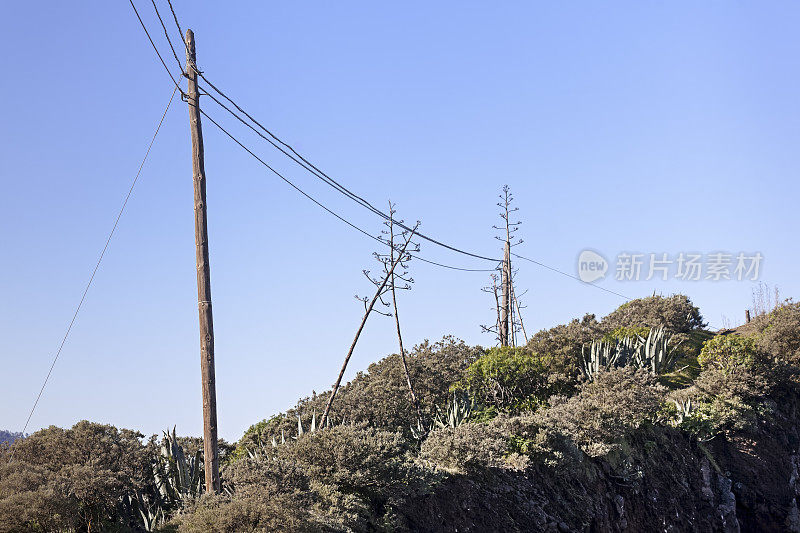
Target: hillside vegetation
x,y
8,436
639,421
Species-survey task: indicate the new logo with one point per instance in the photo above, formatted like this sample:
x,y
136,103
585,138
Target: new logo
x,y
591,266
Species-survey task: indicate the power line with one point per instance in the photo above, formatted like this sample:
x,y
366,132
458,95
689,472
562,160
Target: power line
x,y
323,206
454,268
569,276
307,165
177,24
96,266
303,162
169,72
325,177
166,34
303,165
343,190
315,171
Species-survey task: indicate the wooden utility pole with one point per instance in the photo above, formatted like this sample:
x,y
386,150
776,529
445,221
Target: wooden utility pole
x,y
211,453
505,309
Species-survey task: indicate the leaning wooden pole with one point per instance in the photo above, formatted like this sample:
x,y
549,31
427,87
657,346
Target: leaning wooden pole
x,y
378,293
211,453
414,401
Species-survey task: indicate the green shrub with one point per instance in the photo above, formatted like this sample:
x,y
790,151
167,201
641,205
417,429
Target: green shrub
x,y
606,409
724,352
728,399
738,388
625,332
509,379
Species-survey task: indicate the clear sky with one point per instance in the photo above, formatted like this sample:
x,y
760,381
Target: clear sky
x,y
629,126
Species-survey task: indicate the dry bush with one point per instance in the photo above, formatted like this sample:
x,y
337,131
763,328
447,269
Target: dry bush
x,y
778,332
563,344
609,407
261,511
465,448
380,395
345,478
71,479
675,313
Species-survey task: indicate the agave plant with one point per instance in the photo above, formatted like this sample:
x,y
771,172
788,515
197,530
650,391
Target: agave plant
x,y
312,429
684,409
420,431
456,413
654,353
147,511
603,355
179,478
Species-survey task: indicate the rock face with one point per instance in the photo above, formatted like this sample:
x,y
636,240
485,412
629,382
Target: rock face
x,y
663,481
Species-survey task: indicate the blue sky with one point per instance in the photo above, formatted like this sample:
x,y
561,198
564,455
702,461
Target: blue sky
x,y
629,126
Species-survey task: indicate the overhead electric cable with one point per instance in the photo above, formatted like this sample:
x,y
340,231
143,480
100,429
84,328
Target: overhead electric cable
x,y
327,179
169,72
166,34
177,24
323,206
343,190
569,275
314,170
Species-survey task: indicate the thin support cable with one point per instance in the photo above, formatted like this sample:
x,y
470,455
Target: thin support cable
x,y
96,267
